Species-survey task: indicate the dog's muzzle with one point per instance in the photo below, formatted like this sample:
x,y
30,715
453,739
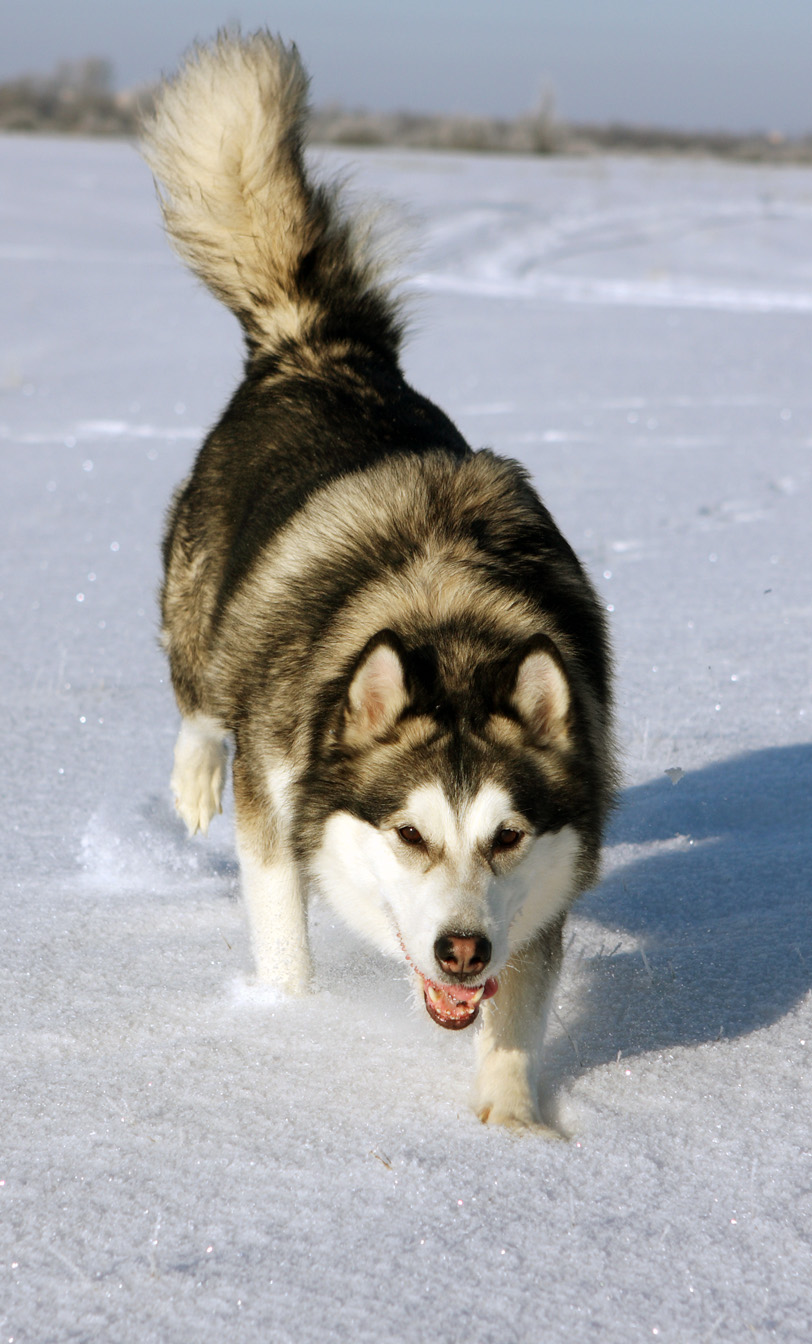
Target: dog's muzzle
x,y
452,1006
456,1006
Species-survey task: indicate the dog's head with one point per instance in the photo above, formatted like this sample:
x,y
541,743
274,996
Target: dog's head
x,y
456,808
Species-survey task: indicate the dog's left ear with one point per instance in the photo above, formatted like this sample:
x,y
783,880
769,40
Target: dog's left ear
x,y
541,693
377,693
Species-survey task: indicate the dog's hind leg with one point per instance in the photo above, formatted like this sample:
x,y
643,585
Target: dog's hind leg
x,y
509,1041
200,770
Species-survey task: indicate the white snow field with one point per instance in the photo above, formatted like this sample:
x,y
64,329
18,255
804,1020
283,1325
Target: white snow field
x,y
181,1161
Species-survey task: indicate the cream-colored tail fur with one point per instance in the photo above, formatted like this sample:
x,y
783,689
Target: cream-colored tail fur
x,y
226,145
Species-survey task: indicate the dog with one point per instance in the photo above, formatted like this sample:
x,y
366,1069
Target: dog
x,y
408,656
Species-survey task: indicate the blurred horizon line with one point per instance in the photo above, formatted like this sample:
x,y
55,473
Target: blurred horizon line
x,y
81,96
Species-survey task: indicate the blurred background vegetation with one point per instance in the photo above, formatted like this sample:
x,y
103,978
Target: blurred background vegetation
x,y
79,98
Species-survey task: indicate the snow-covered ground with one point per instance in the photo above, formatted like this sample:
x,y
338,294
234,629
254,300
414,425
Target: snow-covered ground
x,y
181,1163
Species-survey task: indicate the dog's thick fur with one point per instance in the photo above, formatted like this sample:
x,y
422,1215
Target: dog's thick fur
x,y
408,656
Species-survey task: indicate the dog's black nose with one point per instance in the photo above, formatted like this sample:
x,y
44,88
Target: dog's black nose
x,y
462,953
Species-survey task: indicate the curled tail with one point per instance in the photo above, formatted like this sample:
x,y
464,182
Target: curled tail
x,y
226,146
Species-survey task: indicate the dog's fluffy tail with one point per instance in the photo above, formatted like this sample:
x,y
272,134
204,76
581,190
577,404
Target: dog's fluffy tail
x,y
226,146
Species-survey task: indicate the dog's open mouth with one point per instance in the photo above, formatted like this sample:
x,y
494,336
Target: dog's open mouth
x,y
456,1006
451,1006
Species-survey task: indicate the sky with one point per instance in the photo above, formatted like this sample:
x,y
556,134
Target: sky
x,y
734,65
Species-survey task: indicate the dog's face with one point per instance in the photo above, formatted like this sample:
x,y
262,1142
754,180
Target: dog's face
x,y
450,842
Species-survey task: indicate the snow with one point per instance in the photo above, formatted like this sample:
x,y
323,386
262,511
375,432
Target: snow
x,y
185,1159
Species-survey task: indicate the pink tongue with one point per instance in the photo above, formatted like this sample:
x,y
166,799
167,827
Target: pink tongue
x,y
456,1006
458,993
464,993
455,997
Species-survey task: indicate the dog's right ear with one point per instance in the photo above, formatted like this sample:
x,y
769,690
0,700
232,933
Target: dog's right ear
x,y
541,693
377,693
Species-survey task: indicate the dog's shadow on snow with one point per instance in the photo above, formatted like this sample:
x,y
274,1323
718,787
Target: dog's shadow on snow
x,y
722,914
703,916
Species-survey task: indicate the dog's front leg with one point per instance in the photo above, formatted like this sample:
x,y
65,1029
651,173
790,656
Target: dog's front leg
x,y
509,1041
277,915
274,893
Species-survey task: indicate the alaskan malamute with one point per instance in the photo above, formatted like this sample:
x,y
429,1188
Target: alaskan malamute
x,y
408,656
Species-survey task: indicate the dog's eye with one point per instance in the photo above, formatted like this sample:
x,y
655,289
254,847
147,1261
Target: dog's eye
x,y
410,835
507,838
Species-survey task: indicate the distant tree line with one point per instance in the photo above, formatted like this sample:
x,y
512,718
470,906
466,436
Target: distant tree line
x,y
78,98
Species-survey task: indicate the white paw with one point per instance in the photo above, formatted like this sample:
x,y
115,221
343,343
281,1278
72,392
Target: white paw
x,y
505,1096
251,992
527,1121
200,770
286,978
